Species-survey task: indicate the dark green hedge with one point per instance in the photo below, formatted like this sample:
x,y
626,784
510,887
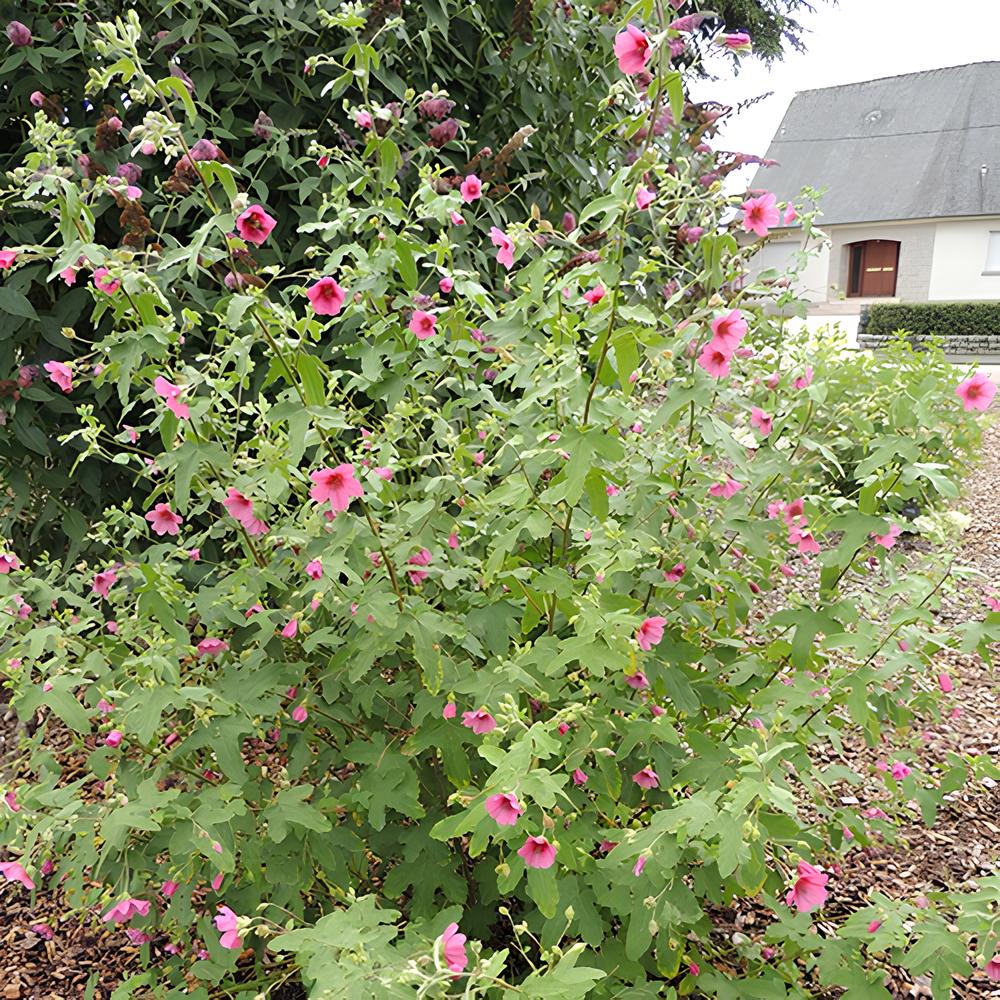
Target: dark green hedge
x,y
921,319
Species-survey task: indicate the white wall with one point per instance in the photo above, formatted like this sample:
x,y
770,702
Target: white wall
x,y
780,252
960,259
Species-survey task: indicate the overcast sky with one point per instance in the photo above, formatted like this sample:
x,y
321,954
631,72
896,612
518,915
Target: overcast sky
x,y
855,40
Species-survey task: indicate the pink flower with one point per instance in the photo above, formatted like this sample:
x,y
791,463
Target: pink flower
x,y
638,681
163,520
10,800
422,324
790,214
171,394
471,189
479,722
729,330
640,863
45,932
737,41
809,890
300,713
338,486
61,374
212,647
104,282
225,923
760,214
314,569
169,888
694,968
383,472
505,253
714,359
326,297
449,710
646,778
291,629
725,490
674,574
453,540
7,258
255,225
804,380
632,49
537,853
992,968
103,582
123,912
945,683
874,926
594,295
363,119
114,738
13,871
888,540
650,632
504,808
644,198
760,420
456,219
19,34
580,777
453,948
421,558
900,770
977,392
446,285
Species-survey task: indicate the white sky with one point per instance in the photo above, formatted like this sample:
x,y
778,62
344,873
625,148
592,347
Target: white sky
x,y
856,40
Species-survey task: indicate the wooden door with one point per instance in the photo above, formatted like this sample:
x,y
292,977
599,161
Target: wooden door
x,y
879,260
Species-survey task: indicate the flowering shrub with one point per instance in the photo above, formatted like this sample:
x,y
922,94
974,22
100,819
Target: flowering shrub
x,y
429,648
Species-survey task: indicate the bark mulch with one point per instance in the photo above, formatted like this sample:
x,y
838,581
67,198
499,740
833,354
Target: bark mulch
x,y
962,845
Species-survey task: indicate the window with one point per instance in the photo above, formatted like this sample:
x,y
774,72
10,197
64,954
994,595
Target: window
x,y
993,255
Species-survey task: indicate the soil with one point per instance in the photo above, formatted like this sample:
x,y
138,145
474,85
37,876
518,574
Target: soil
x,y
962,846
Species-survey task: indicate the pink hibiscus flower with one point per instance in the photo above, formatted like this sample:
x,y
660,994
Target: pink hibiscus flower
x,y
225,923
504,808
449,711
805,379
314,569
255,225
505,253
729,330
471,189
104,282
422,324
480,721
992,968
421,558
13,871
650,632
888,540
171,395
594,295
61,374
537,852
737,41
714,359
337,486
760,420
580,777
632,50
760,215
644,198
977,392
212,647
326,297
453,948
103,582
163,520
7,258
124,911
725,490
646,778
674,574
809,891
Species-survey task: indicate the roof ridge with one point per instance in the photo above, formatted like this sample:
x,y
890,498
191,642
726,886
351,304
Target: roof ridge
x,y
899,76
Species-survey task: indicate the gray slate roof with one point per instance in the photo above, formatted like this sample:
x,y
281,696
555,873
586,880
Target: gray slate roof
x,y
903,147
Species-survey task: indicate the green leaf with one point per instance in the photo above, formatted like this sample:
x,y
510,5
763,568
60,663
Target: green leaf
x,y
174,85
313,374
543,888
13,303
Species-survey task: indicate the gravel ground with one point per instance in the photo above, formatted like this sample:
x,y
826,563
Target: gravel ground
x,y
963,845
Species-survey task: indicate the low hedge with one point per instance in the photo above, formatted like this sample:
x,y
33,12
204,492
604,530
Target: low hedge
x,y
963,320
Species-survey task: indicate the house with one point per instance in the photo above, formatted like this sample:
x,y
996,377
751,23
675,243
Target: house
x,y
911,170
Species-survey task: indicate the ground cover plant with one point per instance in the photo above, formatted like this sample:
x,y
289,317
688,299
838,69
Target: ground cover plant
x,y
400,517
